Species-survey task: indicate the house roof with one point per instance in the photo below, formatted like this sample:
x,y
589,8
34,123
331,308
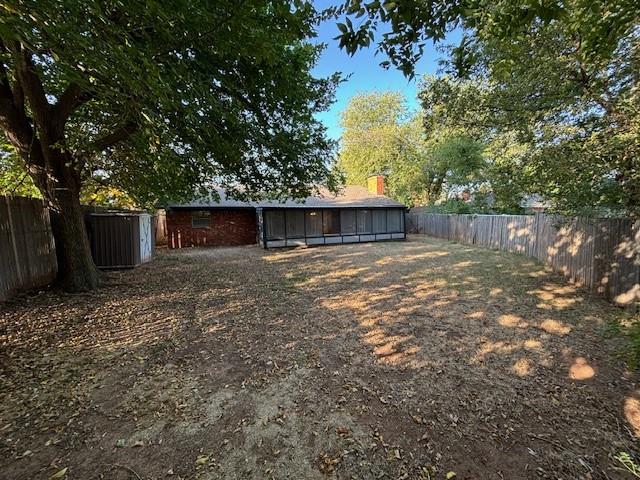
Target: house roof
x,y
349,196
534,201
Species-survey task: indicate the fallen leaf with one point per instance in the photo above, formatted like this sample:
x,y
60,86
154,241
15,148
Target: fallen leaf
x,y
59,474
451,475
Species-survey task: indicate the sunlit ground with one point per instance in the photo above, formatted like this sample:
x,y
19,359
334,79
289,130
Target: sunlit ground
x,y
383,360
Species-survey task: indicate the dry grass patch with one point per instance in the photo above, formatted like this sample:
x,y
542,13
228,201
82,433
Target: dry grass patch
x,y
387,360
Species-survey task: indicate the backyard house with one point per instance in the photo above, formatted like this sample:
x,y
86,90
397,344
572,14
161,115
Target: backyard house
x,y
356,214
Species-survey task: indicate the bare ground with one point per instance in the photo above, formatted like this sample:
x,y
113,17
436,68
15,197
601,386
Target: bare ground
x,y
387,360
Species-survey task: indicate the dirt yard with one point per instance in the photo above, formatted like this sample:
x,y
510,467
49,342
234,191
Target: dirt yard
x,y
386,361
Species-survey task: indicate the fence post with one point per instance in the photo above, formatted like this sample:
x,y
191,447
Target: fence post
x,y
14,245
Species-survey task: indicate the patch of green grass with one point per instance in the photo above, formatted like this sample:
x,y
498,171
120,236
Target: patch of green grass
x,y
628,463
628,327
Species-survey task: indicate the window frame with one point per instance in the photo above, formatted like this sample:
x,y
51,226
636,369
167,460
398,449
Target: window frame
x,y
318,213
201,214
369,213
381,213
353,211
269,234
288,213
335,212
401,226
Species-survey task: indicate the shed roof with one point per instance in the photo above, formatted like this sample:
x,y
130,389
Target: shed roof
x,y
349,196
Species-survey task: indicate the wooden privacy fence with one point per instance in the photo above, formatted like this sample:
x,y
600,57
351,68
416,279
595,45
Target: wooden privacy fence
x,y
600,254
27,252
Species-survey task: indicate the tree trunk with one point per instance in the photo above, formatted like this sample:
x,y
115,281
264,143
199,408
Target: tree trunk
x,y
76,270
434,189
38,134
60,185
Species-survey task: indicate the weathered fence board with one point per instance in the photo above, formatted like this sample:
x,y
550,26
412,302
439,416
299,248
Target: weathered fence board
x,y
161,236
27,252
600,254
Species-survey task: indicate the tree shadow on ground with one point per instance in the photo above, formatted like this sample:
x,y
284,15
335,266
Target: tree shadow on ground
x,y
409,358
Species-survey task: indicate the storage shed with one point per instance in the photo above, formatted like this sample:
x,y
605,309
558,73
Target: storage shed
x,y
121,239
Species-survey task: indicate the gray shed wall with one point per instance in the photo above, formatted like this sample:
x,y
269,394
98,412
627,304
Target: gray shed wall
x,y
117,240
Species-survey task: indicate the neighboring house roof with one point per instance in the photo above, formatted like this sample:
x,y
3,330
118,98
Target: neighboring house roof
x,y
349,196
534,201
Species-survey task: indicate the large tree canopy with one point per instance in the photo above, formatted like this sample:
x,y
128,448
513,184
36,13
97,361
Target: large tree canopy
x,y
554,81
571,125
381,136
159,98
402,29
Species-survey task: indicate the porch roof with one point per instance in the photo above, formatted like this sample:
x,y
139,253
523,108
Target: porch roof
x,y
351,196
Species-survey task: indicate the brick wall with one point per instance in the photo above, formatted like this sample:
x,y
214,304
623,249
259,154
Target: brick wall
x,y
226,227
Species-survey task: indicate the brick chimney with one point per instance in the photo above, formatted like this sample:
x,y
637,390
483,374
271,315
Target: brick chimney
x,y
375,184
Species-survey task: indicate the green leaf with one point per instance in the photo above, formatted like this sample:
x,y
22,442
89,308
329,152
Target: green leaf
x,y
188,102
59,474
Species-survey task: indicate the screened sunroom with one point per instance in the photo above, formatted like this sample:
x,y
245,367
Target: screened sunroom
x,y
355,215
285,227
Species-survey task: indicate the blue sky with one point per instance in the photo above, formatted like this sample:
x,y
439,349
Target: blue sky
x,y
367,75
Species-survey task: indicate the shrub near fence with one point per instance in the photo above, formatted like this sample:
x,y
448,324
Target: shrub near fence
x,y
27,251
600,254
